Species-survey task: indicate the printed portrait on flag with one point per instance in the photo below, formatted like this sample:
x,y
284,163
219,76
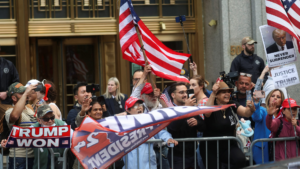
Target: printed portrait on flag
x,y
278,45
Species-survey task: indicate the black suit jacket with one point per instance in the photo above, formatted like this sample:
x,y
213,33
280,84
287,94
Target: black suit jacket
x,y
274,48
110,104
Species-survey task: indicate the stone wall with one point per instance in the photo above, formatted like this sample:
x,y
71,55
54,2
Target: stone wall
x,y
235,20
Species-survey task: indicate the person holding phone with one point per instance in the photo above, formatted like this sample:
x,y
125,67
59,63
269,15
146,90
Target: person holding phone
x,y
33,95
198,84
261,131
223,123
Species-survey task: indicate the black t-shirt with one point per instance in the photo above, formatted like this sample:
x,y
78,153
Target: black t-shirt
x,y
217,126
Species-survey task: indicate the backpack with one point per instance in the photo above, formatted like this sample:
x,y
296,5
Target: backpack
x,y
5,131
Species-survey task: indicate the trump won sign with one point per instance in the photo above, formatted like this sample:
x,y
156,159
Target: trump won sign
x,y
40,137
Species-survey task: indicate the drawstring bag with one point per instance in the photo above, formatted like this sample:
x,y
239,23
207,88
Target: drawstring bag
x,y
245,140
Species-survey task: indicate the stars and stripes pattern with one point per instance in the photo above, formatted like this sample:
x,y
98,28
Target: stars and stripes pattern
x,y
166,97
164,62
285,15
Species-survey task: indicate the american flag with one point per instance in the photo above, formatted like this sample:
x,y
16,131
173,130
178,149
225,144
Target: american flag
x,y
285,15
166,97
164,62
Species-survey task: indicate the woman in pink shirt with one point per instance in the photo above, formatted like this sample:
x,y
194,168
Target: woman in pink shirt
x,y
286,123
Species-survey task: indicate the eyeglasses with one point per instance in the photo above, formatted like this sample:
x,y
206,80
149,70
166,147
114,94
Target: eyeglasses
x,y
151,94
137,106
246,74
47,119
136,79
182,92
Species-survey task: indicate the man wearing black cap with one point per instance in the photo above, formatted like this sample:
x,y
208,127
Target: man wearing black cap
x,y
247,61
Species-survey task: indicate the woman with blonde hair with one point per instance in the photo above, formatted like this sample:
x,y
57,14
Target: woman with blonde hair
x,y
276,97
198,84
114,99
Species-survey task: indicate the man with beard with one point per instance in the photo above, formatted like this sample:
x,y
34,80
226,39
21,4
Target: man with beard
x,y
22,116
184,128
247,61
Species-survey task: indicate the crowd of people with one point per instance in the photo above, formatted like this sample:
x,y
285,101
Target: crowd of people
x,y
34,105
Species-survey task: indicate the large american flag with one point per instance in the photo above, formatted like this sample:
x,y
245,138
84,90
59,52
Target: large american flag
x,y
164,62
285,15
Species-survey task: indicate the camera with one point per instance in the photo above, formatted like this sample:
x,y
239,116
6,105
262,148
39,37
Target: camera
x,y
180,18
93,88
229,78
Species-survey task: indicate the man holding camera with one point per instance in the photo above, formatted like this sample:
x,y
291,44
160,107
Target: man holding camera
x,y
247,61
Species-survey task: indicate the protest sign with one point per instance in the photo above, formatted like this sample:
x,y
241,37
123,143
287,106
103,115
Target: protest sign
x,y
40,137
97,146
285,76
278,46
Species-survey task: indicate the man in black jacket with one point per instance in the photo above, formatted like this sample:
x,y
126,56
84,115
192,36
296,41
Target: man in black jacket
x,y
247,61
8,75
184,128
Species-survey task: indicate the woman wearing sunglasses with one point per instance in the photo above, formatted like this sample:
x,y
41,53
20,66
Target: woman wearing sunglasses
x,y
223,123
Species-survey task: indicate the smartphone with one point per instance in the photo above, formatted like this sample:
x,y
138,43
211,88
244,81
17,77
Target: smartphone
x,y
191,59
259,94
248,95
180,18
190,92
38,88
93,88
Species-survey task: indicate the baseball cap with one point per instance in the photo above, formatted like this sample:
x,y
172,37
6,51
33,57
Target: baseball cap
x,y
15,88
44,109
147,89
32,82
285,103
184,72
131,101
248,40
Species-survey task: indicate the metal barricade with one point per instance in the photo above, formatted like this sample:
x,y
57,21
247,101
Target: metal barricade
x,y
250,153
61,158
195,140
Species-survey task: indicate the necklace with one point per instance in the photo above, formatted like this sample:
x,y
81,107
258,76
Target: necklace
x,y
224,116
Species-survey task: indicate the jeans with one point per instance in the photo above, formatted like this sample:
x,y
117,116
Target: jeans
x,y
164,161
20,163
199,158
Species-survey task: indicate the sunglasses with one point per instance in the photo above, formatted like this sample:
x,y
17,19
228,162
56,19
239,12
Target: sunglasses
x,y
47,119
137,106
151,94
246,74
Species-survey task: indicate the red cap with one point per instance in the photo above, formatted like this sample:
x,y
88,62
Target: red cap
x,y
147,89
131,101
285,103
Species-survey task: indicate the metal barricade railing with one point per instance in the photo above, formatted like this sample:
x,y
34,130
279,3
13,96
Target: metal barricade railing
x,y
195,140
273,140
61,158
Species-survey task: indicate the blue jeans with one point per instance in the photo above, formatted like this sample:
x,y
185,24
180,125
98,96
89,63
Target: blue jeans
x,y
20,163
164,161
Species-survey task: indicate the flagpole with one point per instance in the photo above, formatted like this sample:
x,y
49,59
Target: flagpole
x,y
297,143
149,77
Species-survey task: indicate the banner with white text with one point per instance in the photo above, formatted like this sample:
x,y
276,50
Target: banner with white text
x,y
40,137
98,144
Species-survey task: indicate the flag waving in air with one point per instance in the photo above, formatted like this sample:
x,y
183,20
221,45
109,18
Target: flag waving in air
x,y
164,62
285,15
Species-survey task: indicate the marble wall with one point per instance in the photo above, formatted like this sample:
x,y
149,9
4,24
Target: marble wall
x,y
235,20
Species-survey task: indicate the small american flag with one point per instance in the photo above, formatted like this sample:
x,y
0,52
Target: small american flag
x,y
166,97
164,62
10,142
285,15
65,142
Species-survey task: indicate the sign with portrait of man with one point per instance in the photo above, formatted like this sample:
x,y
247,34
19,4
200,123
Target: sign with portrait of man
x,y
278,45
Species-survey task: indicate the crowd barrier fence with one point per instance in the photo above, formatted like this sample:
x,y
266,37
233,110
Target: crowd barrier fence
x,y
273,140
63,158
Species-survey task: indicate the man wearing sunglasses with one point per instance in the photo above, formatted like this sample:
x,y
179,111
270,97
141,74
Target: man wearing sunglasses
x,y
247,61
46,118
